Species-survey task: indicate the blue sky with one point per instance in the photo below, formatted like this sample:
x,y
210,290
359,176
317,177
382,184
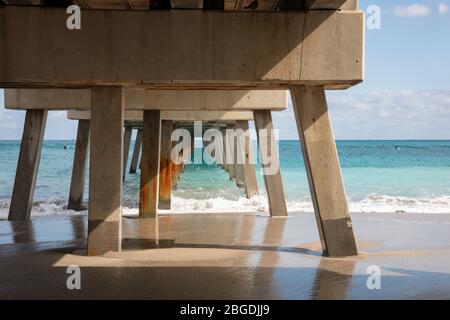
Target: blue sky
x,y
405,95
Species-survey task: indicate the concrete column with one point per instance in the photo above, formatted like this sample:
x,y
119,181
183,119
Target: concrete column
x,y
218,154
238,162
126,148
224,150
136,151
230,153
28,165
177,169
193,146
148,204
106,165
323,170
175,175
246,158
79,166
270,162
165,165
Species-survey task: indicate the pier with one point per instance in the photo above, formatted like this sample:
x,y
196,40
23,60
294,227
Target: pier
x,y
176,66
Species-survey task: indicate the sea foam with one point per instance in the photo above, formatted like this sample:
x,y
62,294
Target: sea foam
x,y
371,204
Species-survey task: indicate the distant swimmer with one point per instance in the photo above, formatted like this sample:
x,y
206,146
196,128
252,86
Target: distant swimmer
x,y
66,147
397,147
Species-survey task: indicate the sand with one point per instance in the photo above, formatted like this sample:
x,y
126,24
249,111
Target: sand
x,y
227,257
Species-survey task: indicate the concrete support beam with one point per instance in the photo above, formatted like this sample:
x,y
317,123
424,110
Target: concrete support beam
x,y
224,150
28,165
270,163
176,170
175,105
240,158
79,166
126,148
277,49
165,166
246,158
230,152
136,151
105,176
148,204
323,169
175,115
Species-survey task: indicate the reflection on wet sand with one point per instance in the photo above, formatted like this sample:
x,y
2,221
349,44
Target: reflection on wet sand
x,y
333,278
217,257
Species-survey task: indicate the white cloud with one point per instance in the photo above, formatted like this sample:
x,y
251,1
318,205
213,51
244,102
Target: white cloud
x,y
404,114
442,8
413,10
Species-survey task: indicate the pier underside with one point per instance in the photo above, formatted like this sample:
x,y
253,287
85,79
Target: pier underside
x,y
147,56
181,49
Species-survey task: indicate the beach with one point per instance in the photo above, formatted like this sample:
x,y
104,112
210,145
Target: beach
x,y
228,256
216,244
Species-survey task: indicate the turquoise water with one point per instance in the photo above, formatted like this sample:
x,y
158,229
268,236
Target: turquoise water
x,y
380,176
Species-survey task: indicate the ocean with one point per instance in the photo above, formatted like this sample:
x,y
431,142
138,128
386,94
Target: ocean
x,y
380,176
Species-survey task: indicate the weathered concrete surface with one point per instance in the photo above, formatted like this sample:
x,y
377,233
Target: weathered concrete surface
x,y
151,133
238,50
230,152
176,115
28,165
165,166
323,170
218,101
246,157
79,166
272,180
105,175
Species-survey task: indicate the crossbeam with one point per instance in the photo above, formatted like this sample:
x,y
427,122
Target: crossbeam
x,y
213,100
180,49
182,115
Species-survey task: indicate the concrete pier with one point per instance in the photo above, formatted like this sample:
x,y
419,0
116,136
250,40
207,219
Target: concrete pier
x,y
148,203
269,159
79,166
28,165
106,165
323,170
165,166
246,158
314,46
230,152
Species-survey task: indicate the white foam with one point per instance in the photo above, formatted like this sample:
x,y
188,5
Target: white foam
x,y
371,204
389,204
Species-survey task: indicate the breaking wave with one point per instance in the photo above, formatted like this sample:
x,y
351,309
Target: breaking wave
x,y
371,204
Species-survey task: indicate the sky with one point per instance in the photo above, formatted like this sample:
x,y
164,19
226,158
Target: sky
x,y
405,93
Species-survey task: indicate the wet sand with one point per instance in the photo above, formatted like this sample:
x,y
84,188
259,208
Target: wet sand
x,y
227,257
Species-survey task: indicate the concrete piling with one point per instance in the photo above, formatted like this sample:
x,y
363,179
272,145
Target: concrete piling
x,y
79,166
28,165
